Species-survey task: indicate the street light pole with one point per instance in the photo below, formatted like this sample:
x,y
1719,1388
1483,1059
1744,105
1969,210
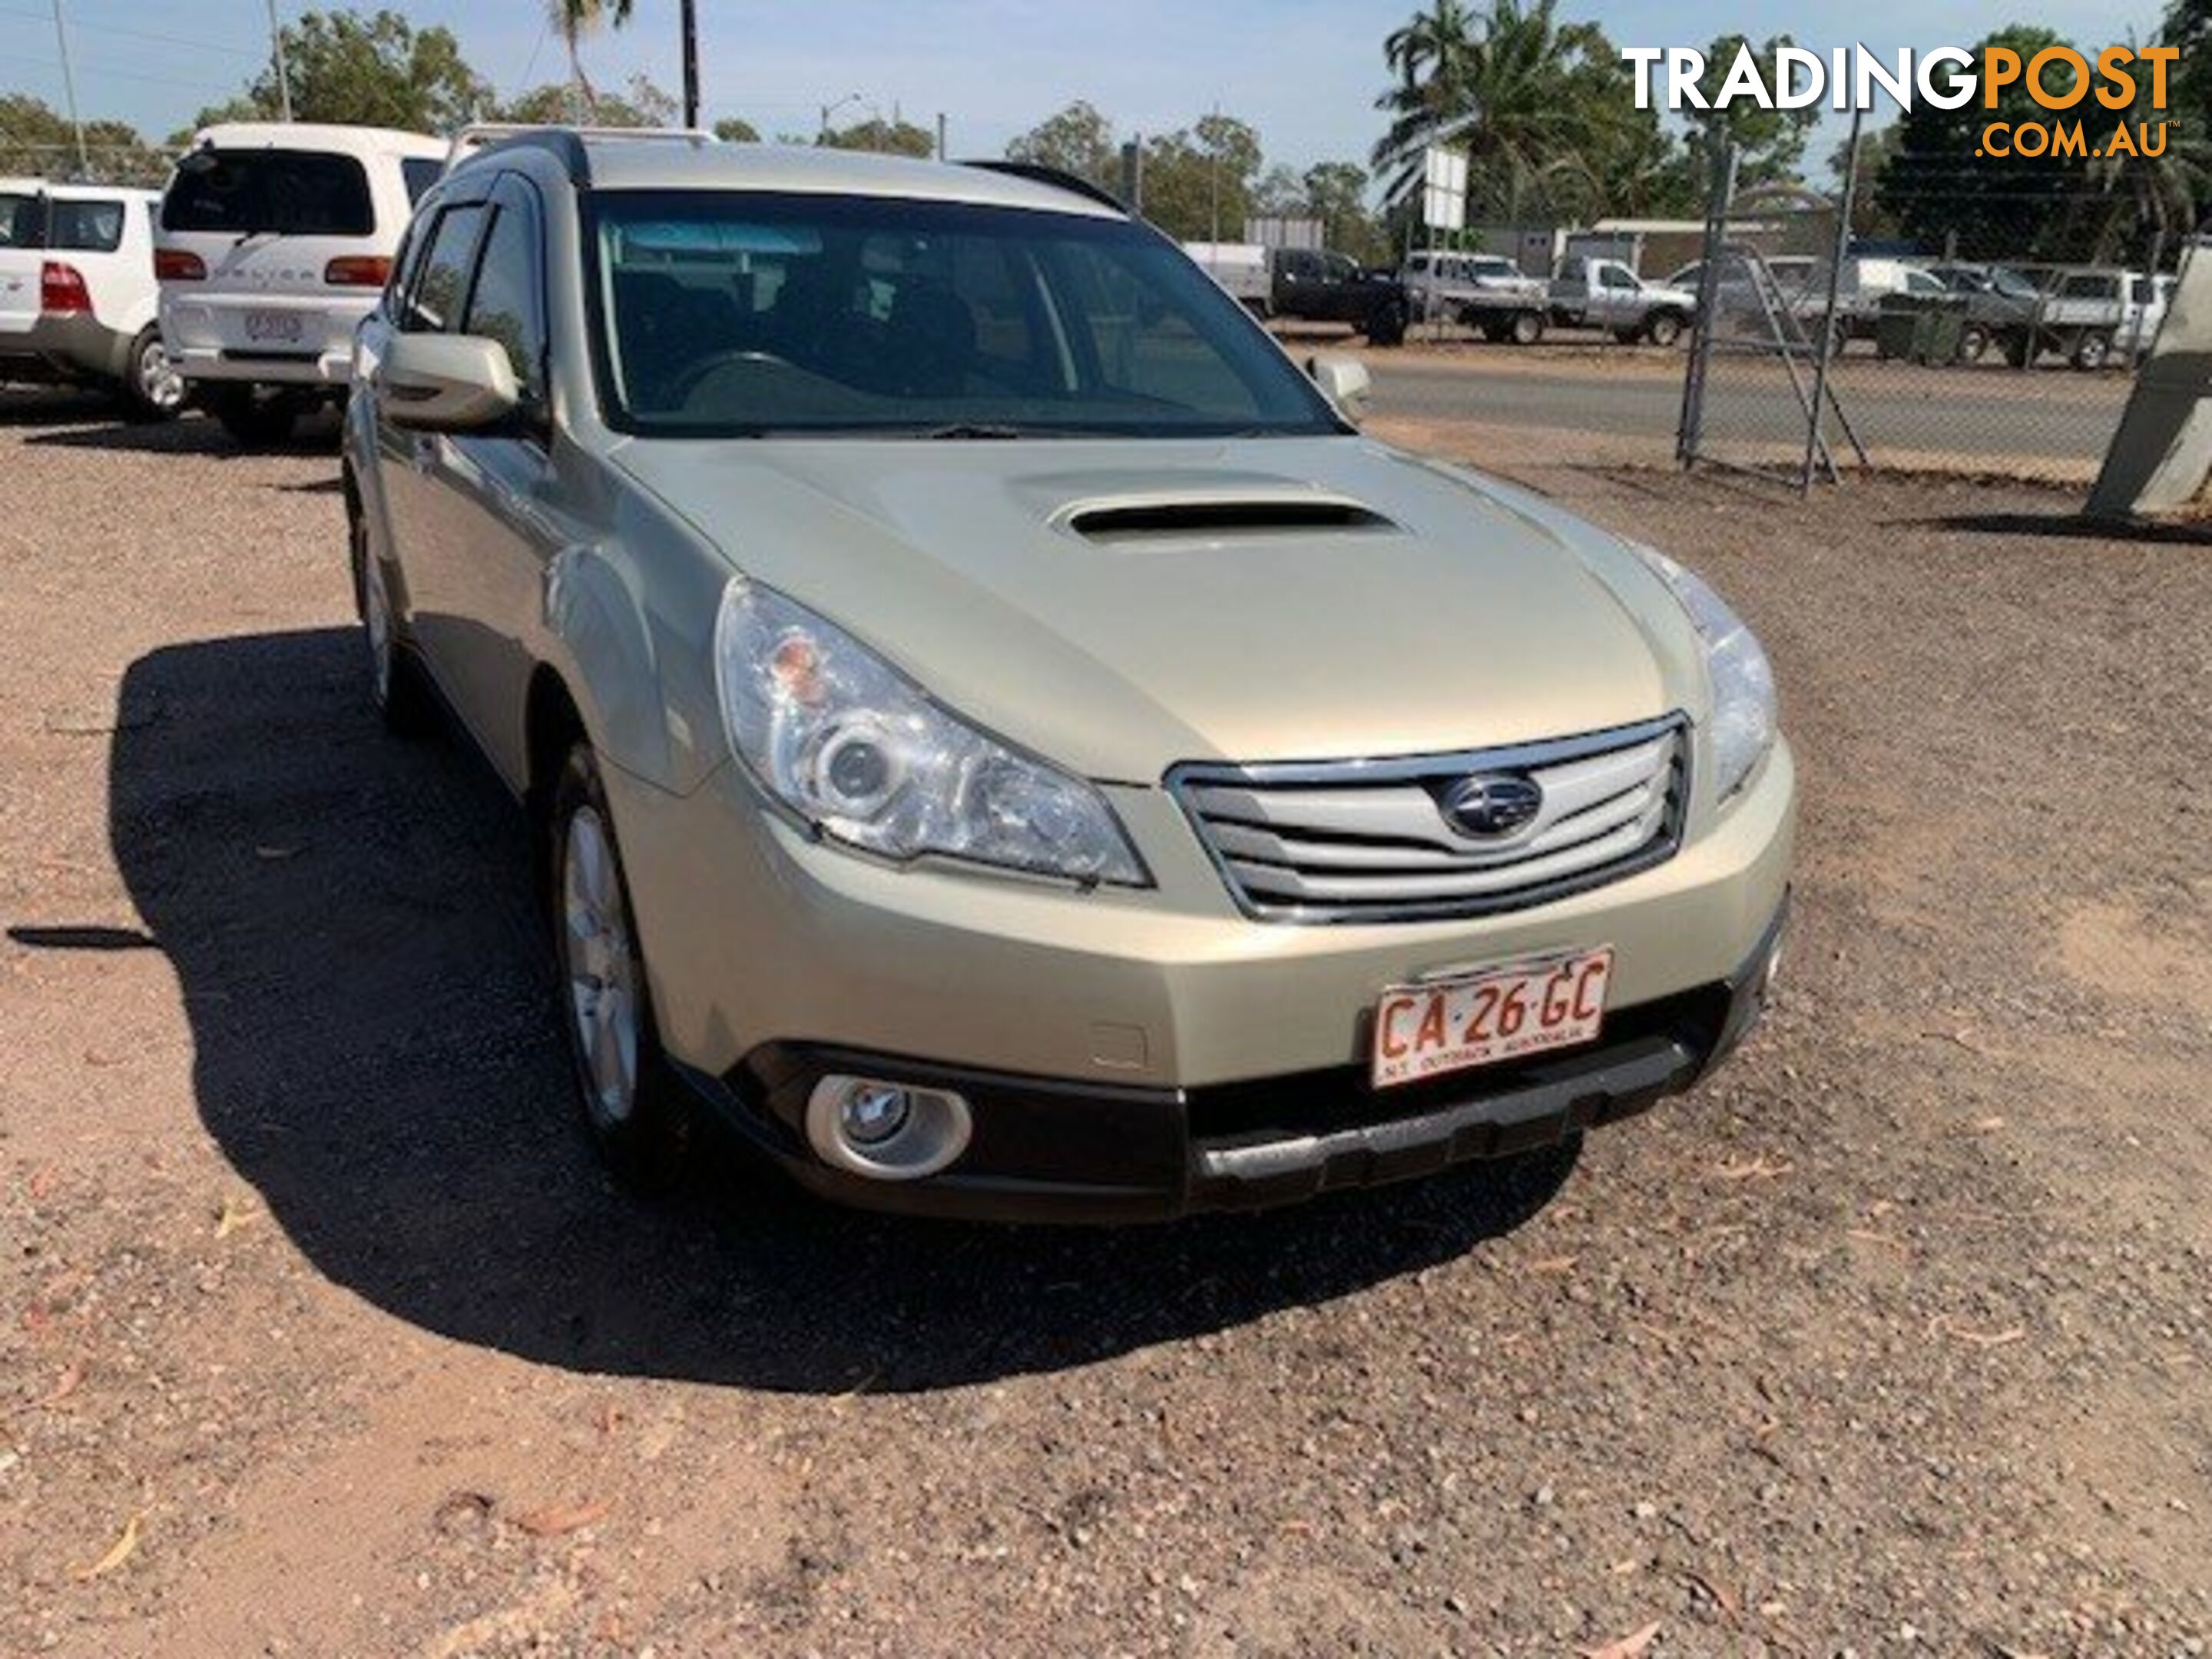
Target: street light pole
x,y
690,26
829,110
69,86
276,50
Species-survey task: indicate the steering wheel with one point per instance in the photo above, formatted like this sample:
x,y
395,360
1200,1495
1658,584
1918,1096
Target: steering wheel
x,y
680,391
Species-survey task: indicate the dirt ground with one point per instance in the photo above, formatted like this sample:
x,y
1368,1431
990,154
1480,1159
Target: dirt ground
x,y
324,1335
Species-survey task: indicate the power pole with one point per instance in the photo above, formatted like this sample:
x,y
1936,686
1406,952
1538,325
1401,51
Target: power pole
x,y
940,135
277,49
69,86
690,25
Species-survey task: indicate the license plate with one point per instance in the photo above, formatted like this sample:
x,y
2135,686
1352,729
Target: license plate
x,y
1454,1025
273,326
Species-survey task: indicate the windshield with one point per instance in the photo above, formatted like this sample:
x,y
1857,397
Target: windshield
x,y
745,314
283,193
2012,284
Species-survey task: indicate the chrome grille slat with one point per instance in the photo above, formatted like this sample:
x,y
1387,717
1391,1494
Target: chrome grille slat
x,y
1367,840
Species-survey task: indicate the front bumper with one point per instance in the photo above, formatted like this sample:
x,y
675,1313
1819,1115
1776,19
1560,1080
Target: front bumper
x,y
1047,1150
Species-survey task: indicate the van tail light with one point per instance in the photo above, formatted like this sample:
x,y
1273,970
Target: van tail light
x,y
62,292
176,264
358,270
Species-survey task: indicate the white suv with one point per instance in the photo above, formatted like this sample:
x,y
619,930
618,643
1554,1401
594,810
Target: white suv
x,y
76,292
274,242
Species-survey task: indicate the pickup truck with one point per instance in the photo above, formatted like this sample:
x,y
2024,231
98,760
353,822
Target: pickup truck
x,y
2086,316
1485,291
1310,284
1605,294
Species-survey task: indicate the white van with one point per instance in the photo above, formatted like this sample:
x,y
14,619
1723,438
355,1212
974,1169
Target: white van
x,y
76,292
274,241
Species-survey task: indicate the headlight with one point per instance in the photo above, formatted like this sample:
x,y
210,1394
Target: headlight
x,y
1743,680
857,751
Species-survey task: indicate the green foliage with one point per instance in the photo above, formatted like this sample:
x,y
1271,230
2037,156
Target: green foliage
x,y
1541,107
1870,214
735,130
1769,143
1078,140
37,141
1200,178
885,137
376,71
560,101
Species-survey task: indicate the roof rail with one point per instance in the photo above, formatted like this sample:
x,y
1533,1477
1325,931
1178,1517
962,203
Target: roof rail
x,y
1037,174
565,141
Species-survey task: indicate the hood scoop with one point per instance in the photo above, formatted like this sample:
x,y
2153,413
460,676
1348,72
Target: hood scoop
x,y
1218,518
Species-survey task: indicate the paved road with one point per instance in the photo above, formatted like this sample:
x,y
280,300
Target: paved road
x,y
1896,408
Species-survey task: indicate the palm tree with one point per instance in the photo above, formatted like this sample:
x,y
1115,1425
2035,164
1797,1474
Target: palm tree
x,y
1501,88
575,19
2150,199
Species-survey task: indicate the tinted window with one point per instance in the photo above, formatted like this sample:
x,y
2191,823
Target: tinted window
x,y
436,297
94,225
506,304
19,221
288,193
419,173
744,313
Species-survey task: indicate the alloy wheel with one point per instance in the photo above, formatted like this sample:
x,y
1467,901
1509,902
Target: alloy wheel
x,y
600,967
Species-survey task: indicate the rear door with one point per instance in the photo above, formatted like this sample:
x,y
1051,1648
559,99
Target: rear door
x,y
267,223
22,245
92,233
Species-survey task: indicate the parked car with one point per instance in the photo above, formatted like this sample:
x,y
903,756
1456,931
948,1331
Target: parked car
x,y
77,293
2001,307
274,241
1605,294
1485,291
2148,298
999,738
2084,313
1312,285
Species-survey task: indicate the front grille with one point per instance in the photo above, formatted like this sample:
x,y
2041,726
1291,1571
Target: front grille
x,y
1367,840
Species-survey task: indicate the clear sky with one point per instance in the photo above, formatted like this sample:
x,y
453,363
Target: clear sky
x,y
1305,72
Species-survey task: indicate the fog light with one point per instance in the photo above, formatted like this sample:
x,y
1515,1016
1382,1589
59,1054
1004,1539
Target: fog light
x,y
883,1130
872,1114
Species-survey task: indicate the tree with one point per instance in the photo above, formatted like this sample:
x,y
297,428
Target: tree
x,y
572,20
1945,194
376,71
734,130
1769,143
1870,214
37,140
1199,180
885,137
645,105
1336,194
1078,140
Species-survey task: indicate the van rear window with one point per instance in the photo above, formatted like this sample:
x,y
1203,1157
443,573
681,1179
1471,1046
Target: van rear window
x,y
285,192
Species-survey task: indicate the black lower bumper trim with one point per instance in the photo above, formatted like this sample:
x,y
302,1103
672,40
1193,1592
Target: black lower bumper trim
x,y
1056,1149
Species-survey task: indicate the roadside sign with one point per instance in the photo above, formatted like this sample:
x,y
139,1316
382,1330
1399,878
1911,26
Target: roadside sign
x,y
1444,189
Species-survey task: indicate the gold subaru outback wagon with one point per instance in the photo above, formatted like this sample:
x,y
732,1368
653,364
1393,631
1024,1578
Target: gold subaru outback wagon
x,y
1000,737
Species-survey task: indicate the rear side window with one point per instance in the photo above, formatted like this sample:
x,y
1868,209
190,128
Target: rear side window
x,y
283,193
435,299
19,220
420,173
86,227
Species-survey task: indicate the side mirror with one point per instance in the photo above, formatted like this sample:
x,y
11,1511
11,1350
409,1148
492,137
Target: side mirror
x,y
1344,382
448,382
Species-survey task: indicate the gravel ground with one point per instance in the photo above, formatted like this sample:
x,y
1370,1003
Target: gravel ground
x,y
325,1336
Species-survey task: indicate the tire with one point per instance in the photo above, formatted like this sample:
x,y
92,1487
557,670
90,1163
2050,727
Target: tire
x,y
396,688
1663,328
151,389
632,1104
1628,336
1526,327
1973,343
2092,351
1386,324
255,419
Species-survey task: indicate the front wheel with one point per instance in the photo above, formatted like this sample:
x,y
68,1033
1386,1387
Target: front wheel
x,y
152,389
1386,324
255,418
1528,327
631,1102
396,686
1663,328
2094,350
1973,344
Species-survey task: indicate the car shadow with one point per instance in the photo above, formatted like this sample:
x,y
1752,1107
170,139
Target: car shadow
x,y
352,924
190,434
2173,532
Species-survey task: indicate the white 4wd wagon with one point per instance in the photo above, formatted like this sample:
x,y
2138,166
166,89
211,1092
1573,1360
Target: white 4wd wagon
x,y
77,293
999,737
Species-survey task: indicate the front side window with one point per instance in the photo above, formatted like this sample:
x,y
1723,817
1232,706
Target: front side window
x,y
434,301
282,192
741,315
91,226
506,305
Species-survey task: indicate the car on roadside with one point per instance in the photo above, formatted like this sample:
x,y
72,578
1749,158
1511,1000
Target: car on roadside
x,y
78,295
1486,292
1592,293
275,241
2001,307
997,737
1307,284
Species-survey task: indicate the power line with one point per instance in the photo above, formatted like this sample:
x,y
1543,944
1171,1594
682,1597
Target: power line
x,y
82,26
